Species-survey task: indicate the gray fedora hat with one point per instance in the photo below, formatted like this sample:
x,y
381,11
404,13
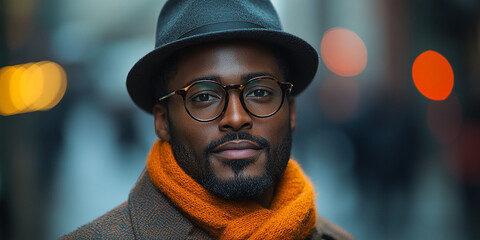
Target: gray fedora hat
x,y
185,23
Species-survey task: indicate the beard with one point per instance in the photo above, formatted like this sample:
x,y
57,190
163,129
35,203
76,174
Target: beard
x,y
240,187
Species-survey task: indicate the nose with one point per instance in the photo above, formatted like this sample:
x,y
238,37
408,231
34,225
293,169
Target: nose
x,y
235,118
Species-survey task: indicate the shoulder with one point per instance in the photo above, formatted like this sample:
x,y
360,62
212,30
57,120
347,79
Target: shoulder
x,y
114,224
147,214
329,231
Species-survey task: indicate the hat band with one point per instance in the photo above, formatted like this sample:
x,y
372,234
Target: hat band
x,y
222,26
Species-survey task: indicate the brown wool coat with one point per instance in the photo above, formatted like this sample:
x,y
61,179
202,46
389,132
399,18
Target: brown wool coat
x,y
148,214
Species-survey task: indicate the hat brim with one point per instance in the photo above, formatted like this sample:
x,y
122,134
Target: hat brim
x,y
303,60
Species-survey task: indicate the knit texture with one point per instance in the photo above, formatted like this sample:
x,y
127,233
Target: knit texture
x,y
292,214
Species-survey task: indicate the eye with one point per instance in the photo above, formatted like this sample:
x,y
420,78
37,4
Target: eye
x,y
204,97
259,93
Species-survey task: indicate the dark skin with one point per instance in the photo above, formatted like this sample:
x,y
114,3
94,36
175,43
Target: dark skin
x,y
229,63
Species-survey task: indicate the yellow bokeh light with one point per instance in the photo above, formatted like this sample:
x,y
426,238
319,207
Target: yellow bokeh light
x,y
31,87
6,105
15,91
54,87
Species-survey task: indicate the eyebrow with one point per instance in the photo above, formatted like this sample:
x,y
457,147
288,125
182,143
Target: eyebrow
x,y
211,78
245,77
249,76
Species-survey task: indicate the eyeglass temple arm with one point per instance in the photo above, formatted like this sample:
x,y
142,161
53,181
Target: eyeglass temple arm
x,y
288,86
166,96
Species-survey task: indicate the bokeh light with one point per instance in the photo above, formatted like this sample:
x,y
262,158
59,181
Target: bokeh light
x,y
445,119
343,52
6,105
433,75
31,87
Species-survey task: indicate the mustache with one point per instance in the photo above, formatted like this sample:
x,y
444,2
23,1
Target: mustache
x,y
262,142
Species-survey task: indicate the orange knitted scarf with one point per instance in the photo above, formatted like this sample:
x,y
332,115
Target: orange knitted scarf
x,y
292,214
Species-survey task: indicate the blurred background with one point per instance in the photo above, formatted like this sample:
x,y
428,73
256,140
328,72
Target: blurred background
x,y
389,131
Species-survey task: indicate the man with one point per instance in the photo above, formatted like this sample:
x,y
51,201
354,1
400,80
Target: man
x,y
220,85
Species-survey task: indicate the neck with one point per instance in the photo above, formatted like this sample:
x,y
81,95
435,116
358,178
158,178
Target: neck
x,y
266,198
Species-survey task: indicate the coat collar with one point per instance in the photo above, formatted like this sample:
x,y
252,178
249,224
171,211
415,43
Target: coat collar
x,y
154,216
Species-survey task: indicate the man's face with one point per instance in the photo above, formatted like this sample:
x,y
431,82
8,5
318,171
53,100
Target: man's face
x,y
236,155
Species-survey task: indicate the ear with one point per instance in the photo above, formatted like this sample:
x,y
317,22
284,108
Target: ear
x,y
293,114
161,122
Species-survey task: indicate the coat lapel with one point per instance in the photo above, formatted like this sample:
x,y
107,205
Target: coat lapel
x,y
154,216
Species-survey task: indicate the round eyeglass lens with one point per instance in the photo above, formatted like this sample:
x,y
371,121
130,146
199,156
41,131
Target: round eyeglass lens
x,y
205,100
262,97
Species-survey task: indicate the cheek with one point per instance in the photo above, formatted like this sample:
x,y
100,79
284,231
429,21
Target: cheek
x,y
274,128
187,131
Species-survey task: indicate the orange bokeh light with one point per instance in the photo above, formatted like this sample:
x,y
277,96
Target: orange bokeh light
x,y
343,52
433,75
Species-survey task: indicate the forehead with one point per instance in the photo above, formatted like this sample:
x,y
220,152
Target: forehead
x,y
229,62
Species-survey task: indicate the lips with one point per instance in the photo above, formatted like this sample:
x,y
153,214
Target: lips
x,y
237,149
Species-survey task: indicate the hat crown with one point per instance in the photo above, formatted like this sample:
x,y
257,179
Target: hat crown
x,y
178,18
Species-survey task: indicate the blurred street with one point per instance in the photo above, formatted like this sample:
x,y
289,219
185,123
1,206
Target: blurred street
x,y
389,157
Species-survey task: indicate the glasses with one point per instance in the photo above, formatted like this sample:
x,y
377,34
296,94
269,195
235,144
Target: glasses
x,y
206,100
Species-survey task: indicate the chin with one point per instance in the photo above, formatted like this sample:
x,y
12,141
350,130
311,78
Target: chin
x,y
241,179
239,186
